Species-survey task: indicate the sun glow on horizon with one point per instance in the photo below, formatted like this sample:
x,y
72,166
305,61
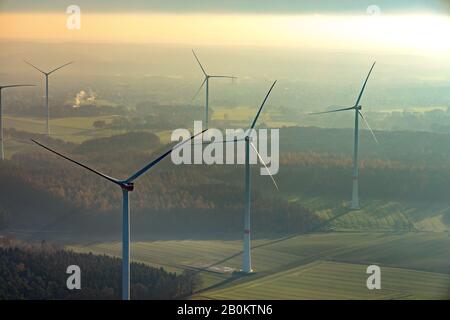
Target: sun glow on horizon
x,y
420,33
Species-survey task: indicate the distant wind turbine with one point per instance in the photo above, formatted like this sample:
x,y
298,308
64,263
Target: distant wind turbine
x,y
206,81
1,112
46,74
358,113
246,258
126,185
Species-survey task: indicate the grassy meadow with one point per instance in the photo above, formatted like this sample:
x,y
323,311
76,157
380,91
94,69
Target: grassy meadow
x,y
311,266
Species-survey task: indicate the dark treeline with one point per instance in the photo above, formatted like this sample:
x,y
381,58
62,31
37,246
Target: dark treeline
x,y
182,199
120,143
30,271
380,179
434,120
171,200
199,198
411,148
25,138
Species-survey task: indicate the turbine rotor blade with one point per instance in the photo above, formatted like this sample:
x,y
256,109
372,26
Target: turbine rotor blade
x,y
262,161
34,67
196,58
228,77
113,180
154,162
199,89
368,126
364,85
17,85
262,105
61,67
336,110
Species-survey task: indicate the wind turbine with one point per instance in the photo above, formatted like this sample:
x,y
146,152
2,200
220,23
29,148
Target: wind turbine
x,y
357,107
206,81
126,185
1,111
46,74
246,258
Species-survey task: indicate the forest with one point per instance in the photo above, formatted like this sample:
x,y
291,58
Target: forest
x,y
38,272
201,199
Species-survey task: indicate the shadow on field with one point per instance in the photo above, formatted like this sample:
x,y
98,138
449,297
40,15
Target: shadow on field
x,y
237,275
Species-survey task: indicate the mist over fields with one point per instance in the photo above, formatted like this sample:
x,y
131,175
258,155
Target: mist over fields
x,y
115,109
167,74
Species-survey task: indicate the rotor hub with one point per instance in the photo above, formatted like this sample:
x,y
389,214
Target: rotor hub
x,y
129,186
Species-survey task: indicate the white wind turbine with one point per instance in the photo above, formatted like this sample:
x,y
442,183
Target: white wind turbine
x,y
358,113
246,258
206,83
126,185
46,74
1,112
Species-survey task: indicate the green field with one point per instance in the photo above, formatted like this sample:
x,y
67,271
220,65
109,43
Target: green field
x,y
335,280
79,129
377,215
310,266
73,129
415,264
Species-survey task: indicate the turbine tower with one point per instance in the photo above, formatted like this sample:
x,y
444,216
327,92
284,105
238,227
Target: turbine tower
x,y
126,185
1,112
358,113
246,258
46,74
206,83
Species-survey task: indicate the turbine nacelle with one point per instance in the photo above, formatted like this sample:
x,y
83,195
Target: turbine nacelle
x,y
127,186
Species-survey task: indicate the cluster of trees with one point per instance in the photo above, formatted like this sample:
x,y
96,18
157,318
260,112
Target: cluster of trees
x,y
432,120
382,179
25,138
30,271
436,120
120,143
158,117
200,198
87,110
409,147
61,196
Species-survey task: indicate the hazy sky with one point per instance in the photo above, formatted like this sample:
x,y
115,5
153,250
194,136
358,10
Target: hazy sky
x,y
311,43
236,6
405,26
